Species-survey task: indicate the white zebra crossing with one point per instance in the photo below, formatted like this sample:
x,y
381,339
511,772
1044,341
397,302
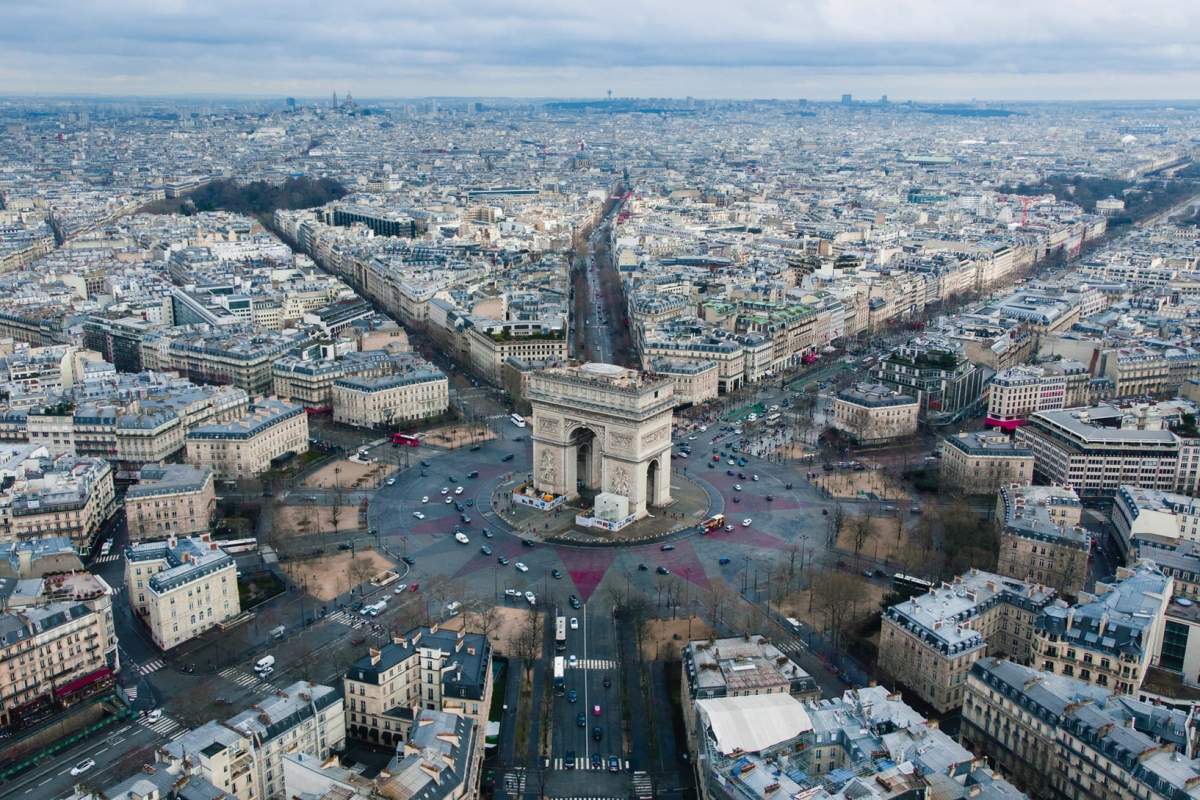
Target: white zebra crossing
x,y
165,726
643,786
131,692
246,680
108,559
341,617
151,666
583,763
514,782
594,663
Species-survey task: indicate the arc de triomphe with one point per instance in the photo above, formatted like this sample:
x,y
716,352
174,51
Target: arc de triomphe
x,y
603,427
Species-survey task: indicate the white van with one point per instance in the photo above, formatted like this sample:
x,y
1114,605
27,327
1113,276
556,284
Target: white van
x,y
264,663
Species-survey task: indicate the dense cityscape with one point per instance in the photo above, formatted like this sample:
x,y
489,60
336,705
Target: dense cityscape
x,y
610,447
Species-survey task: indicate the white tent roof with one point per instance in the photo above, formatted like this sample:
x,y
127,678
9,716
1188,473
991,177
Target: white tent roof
x,y
754,723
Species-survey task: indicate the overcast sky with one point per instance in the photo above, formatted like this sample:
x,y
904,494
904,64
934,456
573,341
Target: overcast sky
x,y
918,49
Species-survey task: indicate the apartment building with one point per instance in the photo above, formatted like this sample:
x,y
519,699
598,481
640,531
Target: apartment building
x,y
929,642
1041,540
680,346
490,346
56,652
743,666
437,763
308,379
181,587
874,414
1107,638
426,668
304,718
416,393
982,463
226,355
67,496
696,382
1064,738
223,757
935,371
1148,371
1017,392
1096,450
172,499
1144,516
245,447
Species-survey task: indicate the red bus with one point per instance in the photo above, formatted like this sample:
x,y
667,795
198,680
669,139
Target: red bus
x,y
406,439
713,522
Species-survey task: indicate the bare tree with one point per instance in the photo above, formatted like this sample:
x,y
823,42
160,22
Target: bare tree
x,y
862,530
836,520
361,569
835,596
528,643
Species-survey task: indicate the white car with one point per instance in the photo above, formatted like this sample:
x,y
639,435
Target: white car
x,y
755,477
512,592
737,487
520,565
458,490
572,660
461,538
418,515
574,623
692,438
531,598
746,522
154,716
391,481
449,500
729,529
400,587
703,428
83,766
425,499
445,490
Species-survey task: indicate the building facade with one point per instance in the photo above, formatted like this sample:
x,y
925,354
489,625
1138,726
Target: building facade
x,y
174,499
245,447
874,414
982,463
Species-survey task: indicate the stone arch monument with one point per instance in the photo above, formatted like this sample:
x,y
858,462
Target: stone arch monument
x,y
603,428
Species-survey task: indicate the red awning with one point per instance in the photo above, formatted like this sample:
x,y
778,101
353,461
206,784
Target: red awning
x,y
84,682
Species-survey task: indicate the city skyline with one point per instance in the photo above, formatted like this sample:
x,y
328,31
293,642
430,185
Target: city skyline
x,y
926,51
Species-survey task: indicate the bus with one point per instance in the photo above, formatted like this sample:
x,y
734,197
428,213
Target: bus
x,y
560,678
713,522
773,418
234,546
560,634
910,585
518,420
406,440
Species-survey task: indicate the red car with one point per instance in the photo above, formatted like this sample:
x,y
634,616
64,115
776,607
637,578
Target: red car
x,y
414,587
595,711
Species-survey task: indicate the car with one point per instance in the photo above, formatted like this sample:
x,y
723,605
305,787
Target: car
x,y
531,598
597,761
154,716
597,734
452,479
730,473
527,542
575,602
520,565
449,500
747,522
737,498
418,515
607,682
572,660
692,438
512,593
345,546
642,568
556,574
737,487
754,477
390,481
667,547
416,587
614,764
569,760
461,537
424,463
770,497
572,696
425,499
867,573
487,551
466,519
487,534
508,457
409,560
458,490
459,507
730,462
723,560
595,710
84,766
703,428
503,561
574,623
661,570
445,490
742,476
581,720
469,504
400,587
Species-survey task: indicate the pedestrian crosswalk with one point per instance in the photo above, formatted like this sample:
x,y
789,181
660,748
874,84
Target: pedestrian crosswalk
x,y
108,559
245,679
132,693
151,666
582,762
116,590
347,619
643,786
514,782
594,663
164,726
792,646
